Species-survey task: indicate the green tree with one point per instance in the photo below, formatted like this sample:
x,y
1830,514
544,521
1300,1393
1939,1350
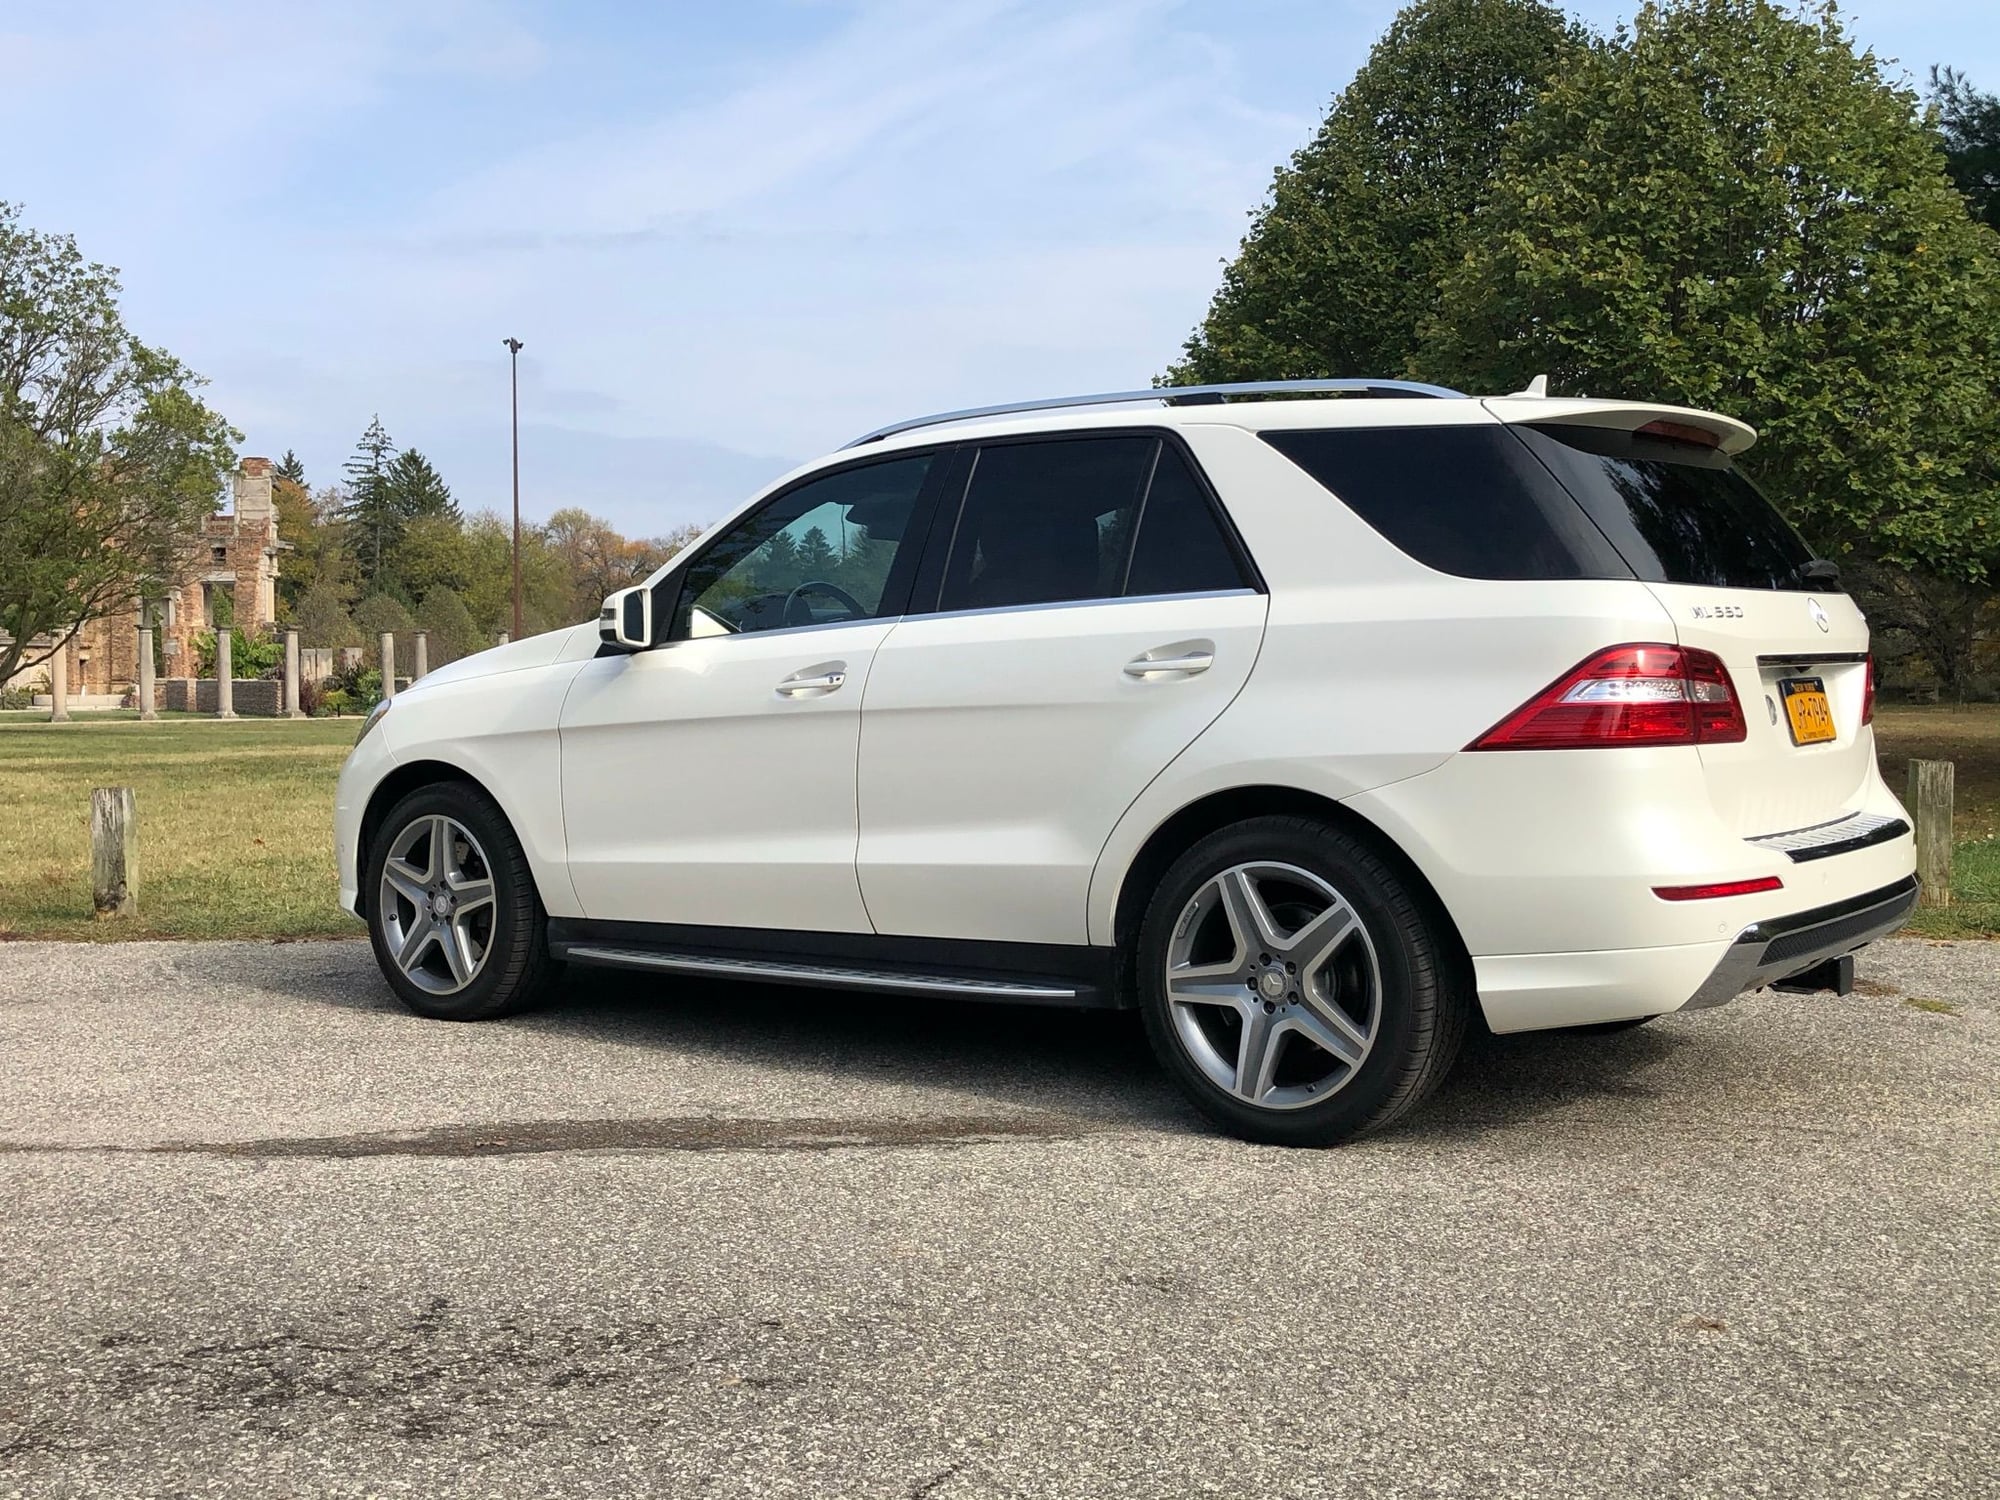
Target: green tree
x,y
290,467
417,490
380,612
1970,124
1732,209
432,554
1342,261
108,461
817,559
323,620
318,553
370,512
453,632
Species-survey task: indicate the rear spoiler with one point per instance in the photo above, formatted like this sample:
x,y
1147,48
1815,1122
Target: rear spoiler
x,y
1730,435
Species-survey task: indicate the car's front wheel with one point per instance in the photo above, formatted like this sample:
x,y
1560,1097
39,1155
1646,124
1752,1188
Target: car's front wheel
x,y
1295,985
457,927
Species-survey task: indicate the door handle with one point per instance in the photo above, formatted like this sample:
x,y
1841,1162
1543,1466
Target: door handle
x,y
1184,658
814,681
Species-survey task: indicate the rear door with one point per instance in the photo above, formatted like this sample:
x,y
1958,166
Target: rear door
x,y
1093,614
1734,577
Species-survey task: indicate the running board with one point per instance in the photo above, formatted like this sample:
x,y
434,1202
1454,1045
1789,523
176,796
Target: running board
x,y
823,976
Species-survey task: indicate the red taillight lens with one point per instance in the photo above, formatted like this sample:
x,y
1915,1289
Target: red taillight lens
x,y
1720,888
1645,694
1868,691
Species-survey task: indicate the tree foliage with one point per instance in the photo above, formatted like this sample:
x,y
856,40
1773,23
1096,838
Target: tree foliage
x,y
370,509
108,460
1341,263
416,491
1970,124
453,632
1731,208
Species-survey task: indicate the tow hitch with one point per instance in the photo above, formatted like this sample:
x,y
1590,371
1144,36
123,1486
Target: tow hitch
x,y
1836,974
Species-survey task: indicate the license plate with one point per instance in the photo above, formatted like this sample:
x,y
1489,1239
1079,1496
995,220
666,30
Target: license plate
x,y
1807,710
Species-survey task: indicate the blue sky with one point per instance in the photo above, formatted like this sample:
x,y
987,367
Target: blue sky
x,y
731,235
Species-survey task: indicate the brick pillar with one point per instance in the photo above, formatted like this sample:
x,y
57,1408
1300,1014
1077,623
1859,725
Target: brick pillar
x,y
292,710
225,674
59,684
146,709
422,662
388,664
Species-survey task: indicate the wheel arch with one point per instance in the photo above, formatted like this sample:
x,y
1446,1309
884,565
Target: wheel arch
x,y
393,788
1180,831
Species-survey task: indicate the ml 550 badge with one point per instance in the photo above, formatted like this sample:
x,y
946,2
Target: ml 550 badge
x,y
1718,611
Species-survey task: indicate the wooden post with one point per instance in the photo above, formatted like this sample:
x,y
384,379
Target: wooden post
x,y
225,674
292,710
114,852
388,664
59,684
1930,805
146,709
422,663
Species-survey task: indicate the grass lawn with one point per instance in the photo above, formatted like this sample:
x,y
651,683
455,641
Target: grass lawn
x,y
236,834
235,825
1970,737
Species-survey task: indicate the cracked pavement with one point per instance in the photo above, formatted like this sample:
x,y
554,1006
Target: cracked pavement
x,y
267,1234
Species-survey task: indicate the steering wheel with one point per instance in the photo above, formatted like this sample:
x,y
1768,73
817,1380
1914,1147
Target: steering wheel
x,y
797,614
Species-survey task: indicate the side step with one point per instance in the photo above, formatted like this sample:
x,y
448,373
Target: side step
x,y
824,976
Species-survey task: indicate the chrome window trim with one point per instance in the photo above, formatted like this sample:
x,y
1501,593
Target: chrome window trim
x,y
1092,603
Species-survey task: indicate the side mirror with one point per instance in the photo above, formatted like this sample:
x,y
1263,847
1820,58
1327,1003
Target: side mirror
x,y
626,621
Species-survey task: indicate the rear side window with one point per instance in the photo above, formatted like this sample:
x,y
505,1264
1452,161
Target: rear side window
x,y
1074,519
1471,500
1678,512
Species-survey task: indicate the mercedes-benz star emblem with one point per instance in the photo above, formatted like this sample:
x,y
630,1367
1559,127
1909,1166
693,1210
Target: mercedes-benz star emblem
x,y
1818,615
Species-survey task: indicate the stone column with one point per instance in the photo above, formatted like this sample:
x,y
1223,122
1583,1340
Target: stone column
x,y
502,640
146,709
388,664
292,710
225,674
59,684
422,663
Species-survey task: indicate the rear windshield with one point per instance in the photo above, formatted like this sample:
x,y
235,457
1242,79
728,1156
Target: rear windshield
x,y
1518,502
1677,512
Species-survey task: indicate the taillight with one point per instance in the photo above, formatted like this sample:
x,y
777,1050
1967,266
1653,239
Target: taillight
x,y
1868,690
1644,694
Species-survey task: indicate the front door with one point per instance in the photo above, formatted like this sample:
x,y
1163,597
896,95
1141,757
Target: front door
x,y
1093,615
711,780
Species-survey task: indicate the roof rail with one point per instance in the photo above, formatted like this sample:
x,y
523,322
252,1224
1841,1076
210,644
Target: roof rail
x,y
1172,395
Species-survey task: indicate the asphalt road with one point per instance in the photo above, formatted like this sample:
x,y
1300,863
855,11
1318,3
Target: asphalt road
x,y
266,1235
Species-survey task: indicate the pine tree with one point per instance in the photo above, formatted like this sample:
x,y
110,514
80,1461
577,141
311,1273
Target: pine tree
x,y
1970,124
370,510
816,556
417,490
291,467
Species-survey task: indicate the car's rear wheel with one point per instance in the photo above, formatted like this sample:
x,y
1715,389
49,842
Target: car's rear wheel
x,y
457,927
1295,985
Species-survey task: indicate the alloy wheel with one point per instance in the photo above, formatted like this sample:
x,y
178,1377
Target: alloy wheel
x,y
1273,985
436,904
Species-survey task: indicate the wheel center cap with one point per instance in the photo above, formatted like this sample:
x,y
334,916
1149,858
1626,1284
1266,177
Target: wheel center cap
x,y
1272,982
440,904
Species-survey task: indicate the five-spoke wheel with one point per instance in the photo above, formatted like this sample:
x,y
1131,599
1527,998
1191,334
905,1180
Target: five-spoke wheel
x,y
1295,982
458,930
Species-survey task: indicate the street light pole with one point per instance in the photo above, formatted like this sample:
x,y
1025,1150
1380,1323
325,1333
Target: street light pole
x,y
514,375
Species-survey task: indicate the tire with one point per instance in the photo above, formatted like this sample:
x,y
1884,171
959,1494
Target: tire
x,y
484,894
1392,974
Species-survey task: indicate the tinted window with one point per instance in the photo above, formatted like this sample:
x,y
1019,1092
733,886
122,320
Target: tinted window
x,y
823,552
1181,548
1466,500
1680,513
1043,523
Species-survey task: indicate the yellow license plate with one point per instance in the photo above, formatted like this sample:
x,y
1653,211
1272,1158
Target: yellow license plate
x,y
1806,707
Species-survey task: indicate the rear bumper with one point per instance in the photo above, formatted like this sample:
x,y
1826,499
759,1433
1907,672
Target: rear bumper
x,y
1536,991
1778,947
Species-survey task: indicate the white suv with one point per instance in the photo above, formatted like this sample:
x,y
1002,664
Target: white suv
x,y
1302,725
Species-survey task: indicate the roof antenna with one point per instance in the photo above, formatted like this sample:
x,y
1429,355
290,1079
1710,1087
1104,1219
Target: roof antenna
x,y
1539,386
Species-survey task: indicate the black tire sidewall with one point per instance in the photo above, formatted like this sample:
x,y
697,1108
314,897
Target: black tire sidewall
x,y
1395,927
519,936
